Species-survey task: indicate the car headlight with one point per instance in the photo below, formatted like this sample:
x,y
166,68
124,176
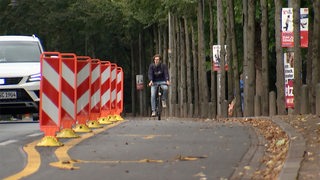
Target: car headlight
x,y
34,77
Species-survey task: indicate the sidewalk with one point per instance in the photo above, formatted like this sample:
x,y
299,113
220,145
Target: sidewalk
x,y
296,150
304,132
302,158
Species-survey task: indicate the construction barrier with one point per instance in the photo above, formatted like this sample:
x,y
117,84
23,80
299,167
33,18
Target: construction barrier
x,y
69,95
79,92
113,98
119,87
50,98
83,93
105,92
95,94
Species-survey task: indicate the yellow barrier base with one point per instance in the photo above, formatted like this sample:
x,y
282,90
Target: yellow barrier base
x,y
119,118
104,120
94,124
67,133
82,128
49,141
112,118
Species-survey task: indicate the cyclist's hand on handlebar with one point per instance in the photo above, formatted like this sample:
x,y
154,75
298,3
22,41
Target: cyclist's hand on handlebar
x,y
168,82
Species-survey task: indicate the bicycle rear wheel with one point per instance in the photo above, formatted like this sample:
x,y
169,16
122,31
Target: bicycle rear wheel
x,y
159,107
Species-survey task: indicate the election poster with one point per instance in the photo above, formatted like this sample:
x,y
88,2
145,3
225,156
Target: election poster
x,y
287,36
289,78
139,82
217,57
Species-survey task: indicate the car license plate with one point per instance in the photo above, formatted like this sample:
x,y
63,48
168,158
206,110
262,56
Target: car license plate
x,y
8,95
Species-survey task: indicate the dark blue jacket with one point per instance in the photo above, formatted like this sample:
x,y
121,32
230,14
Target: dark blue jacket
x,y
158,73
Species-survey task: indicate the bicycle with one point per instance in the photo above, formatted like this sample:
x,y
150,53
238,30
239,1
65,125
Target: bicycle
x,y
158,101
159,93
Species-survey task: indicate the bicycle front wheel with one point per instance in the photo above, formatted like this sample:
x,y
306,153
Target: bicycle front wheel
x,y
159,108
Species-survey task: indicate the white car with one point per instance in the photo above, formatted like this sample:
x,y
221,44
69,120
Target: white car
x,y
20,74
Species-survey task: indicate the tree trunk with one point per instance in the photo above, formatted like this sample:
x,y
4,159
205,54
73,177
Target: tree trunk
x,y
249,87
188,62
202,61
265,55
245,52
297,83
182,84
228,60
133,80
165,45
222,43
195,73
315,52
280,66
235,65
178,64
172,63
213,87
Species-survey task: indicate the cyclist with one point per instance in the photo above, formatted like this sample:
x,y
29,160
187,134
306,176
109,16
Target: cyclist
x,y
158,75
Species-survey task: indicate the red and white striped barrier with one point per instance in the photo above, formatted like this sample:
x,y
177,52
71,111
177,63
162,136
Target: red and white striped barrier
x,y
83,93
50,98
119,89
69,96
113,97
95,94
105,92
113,87
77,90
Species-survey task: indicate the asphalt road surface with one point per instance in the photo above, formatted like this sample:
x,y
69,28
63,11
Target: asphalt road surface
x,y
133,149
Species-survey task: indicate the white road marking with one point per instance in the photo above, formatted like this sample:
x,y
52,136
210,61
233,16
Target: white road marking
x,y
8,142
35,134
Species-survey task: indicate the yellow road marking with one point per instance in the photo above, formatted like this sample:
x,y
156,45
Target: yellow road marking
x,y
124,161
33,163
34,158
143,136
64,160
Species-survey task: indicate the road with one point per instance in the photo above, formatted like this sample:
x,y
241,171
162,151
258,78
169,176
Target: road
x,y
134,149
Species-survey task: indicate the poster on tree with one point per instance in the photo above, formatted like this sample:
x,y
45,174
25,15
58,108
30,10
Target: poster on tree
x,y
216,58
289,77
287,35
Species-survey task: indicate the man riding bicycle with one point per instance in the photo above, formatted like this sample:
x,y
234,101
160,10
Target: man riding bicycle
x,y
158,75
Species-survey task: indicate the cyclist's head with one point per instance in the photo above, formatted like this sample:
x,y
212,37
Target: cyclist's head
x,y
157,59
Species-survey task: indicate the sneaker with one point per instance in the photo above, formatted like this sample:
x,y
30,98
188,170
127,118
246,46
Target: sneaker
x,y
164,105
153,114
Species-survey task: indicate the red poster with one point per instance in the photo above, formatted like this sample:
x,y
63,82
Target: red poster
x,y
287,36
289,77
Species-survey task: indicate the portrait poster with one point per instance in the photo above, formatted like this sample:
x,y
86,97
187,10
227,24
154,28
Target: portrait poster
x,y
217,57
287,35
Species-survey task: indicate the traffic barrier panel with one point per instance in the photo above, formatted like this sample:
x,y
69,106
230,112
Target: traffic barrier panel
x,y
69,95
95,101
119,87
50,98
105,92
113,88
83,93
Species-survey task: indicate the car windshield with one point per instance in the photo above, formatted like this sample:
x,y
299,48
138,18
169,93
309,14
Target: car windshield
x,y
19,51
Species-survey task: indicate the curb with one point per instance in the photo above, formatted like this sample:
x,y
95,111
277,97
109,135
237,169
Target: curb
x,y
251,158
296,150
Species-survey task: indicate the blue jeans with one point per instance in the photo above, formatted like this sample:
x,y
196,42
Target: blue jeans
x,y
164,88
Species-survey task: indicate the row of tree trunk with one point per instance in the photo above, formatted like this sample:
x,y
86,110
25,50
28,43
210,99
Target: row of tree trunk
x,y
197,91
